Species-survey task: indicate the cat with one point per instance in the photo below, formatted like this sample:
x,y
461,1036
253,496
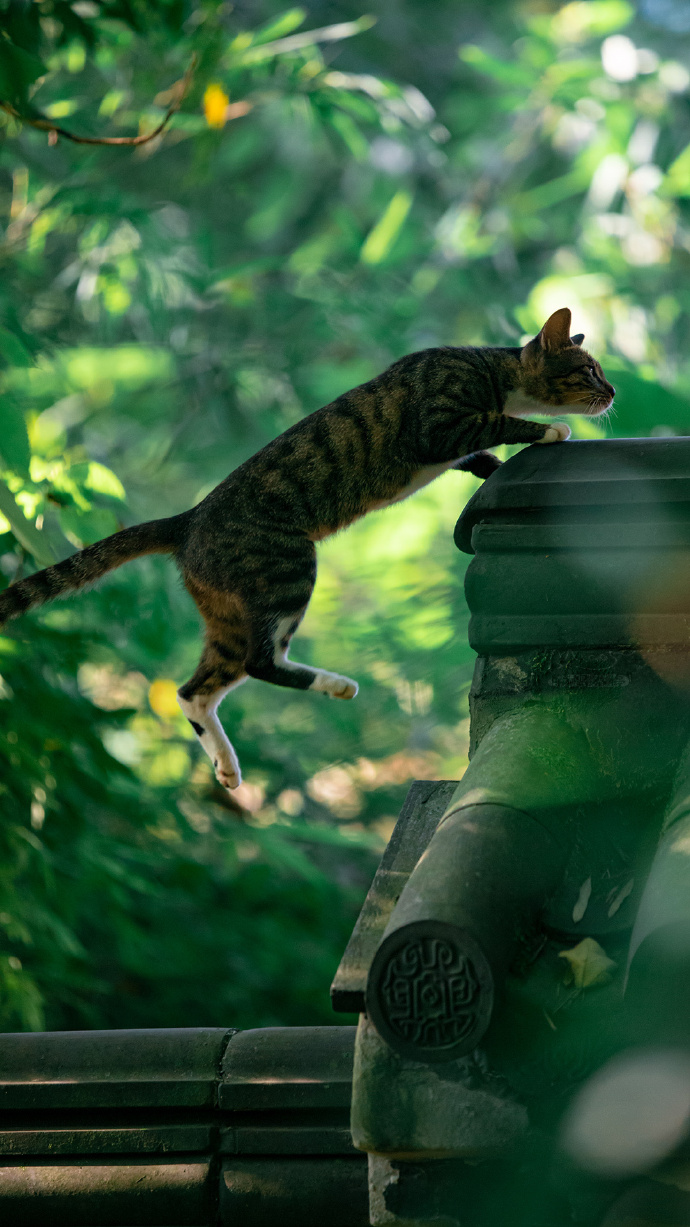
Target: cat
x,y
247,552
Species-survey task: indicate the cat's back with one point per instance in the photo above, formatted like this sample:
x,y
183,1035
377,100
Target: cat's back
x,y
334,463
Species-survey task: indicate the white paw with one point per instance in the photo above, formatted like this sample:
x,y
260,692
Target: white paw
x,y
227,770
558,433
334,685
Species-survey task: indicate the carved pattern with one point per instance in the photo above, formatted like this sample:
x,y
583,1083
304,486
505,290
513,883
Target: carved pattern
x,y
430,993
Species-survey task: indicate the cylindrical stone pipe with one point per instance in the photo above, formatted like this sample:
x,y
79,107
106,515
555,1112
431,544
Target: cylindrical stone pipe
x,y
490,868
658,984
487,873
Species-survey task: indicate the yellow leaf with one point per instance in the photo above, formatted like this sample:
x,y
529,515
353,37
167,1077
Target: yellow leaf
x,y
215,106
588,963
163,698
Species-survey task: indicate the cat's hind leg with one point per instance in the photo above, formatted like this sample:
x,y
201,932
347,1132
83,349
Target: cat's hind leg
x,y
275,614
199,698
268,660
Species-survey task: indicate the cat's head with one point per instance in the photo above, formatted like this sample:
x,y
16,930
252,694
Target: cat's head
x,y
557,372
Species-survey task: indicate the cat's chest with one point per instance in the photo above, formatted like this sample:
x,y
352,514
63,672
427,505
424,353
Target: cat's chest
x,y
518,405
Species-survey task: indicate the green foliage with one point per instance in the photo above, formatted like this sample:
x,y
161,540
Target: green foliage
x,y
326,199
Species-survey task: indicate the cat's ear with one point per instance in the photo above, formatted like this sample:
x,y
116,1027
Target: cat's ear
x,y
555,335
578,338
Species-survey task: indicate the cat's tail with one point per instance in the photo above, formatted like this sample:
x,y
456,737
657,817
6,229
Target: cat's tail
x,y
154,537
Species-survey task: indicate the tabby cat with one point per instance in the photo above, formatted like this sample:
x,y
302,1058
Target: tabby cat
x,y
247,552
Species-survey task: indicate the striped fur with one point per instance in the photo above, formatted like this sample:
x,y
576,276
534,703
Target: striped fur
x,y
247,552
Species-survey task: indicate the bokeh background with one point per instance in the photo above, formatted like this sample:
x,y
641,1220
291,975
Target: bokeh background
x,y
340,187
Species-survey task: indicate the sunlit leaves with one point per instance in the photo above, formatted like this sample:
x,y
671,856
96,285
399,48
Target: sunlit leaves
x,y
23,529
677,181
103,481
583,19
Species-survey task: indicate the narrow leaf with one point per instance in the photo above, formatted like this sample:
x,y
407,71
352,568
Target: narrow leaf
x,y
380,240
308,38
582,901
621,897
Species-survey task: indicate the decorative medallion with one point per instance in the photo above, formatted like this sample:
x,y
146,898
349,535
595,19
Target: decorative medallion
x,y
430,991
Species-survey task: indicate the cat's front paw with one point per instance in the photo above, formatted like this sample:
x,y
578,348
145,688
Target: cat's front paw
x,y
334,685
558,433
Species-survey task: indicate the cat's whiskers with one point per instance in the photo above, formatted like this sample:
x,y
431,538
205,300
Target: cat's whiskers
x,y
600,408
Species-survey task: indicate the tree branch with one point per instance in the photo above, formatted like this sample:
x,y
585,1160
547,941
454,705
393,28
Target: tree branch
x,y
54,130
